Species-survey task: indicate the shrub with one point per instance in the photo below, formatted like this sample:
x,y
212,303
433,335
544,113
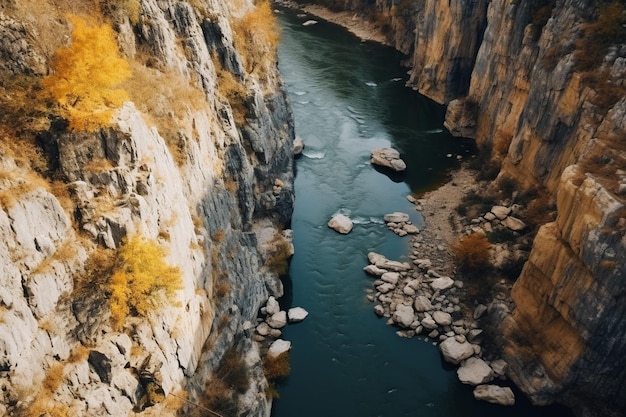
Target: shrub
x,y
142,281
278,261
276,368
472,252
234,92
501,235
86,74
234,372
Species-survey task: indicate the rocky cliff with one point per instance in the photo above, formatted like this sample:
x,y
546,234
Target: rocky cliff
x,y
202,170
540,86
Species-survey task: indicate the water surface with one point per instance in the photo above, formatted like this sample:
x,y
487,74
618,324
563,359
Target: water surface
x,y
349,97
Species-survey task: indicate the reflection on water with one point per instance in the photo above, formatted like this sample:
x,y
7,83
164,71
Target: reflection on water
x,y
348,98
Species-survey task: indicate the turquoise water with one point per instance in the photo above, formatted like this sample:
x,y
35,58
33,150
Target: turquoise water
x,y
349,97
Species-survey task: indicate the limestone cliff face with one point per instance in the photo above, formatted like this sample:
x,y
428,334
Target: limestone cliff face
x,y
212,191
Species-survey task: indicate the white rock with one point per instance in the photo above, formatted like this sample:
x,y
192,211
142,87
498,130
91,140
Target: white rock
x,y
422,304
396,217
403,315
474,371
411,229
407,290
455,352
393,265
310,23
391,277
489,217
272,307
263,329
278,320
297,314
499,366
298,145
375,258
429,323
389,158
514,223
442,319
278,347
341,224
494,394
379,310
500,212
385,288
442,283
374,270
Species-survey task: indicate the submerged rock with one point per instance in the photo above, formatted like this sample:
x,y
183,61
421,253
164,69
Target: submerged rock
x,y
455,352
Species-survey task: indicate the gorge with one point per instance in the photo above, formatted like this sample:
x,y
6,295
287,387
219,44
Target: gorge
x,y
198,161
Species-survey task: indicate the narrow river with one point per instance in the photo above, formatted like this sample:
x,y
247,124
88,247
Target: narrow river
x,y
349,97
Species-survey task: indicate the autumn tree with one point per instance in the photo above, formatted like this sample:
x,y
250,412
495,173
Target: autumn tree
x,y
86,75
142,281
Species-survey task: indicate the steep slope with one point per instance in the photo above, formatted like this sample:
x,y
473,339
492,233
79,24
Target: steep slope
x,y
199,166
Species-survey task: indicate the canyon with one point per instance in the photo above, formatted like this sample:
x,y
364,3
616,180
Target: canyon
x,y
200,161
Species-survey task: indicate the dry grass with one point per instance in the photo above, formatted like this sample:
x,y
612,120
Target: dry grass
x,y
16,183
63,253
256,38
233,91
278,261
97,273
167,100
98,165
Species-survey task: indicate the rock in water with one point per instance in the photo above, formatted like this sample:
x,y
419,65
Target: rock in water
x,y
310,23
297,314
341,224
474,372
388,158
279,347
494,394
298,145
455,352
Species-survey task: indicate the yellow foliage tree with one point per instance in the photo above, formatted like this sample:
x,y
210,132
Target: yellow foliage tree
x,y
86,75
142,281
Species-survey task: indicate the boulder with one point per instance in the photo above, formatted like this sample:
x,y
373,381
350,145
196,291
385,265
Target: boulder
x,y
411,229
494,394
514,223
479,311
278,320
428,323
500,212
310,23
341,224
455,352
404,315
374,270
499,366
279,347
296,314
379,310
298,145
474,371
396,217
391,277
442,319
393,265
442,283
475,335
375,258
271,307
422,304
388,158
263,329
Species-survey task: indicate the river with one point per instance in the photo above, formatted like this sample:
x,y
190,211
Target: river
x,y
348,98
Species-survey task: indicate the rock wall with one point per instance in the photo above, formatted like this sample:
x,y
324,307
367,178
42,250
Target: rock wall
x,y
215,197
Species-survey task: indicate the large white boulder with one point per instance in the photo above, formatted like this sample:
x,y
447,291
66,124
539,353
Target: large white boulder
x,y
442,318
455,352
278,320
388,158
404,315
278,347
495,394
341,224
296,314
500,212
474,371
442,283
514,223
422,304
396,217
